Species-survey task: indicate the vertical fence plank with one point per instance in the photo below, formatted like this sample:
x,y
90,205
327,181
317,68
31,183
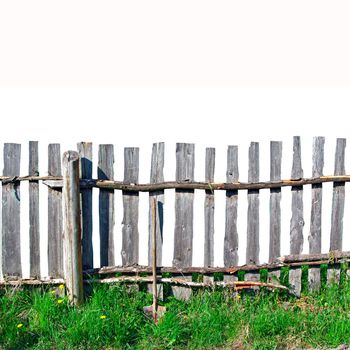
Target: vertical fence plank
x,y
85,154
209,207
183,234
231,233
55,230
34,232
252,254
316,210
297,219
72,227
338,202
157,175
130,246
105,171
275,205
11,239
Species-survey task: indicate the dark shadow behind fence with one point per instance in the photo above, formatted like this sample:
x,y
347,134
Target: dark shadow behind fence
x,y
70,245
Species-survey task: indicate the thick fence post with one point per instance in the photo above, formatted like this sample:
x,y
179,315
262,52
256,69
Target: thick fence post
x,y
72,227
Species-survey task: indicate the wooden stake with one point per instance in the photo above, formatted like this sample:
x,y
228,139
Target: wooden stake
x,y
72,228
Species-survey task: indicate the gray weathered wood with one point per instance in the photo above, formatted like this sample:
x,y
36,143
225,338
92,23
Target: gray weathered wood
x,y
252,253
209,207
275,200
275,205
157,175
11,239
183,233
85,153
338,202
34,224
231,232
105,171
130,245
72,228
55,230
316,210
297,219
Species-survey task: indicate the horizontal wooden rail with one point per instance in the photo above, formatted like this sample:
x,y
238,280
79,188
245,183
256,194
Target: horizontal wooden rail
x,y
123,279
332,256
284,261
57,182
208,186
14,179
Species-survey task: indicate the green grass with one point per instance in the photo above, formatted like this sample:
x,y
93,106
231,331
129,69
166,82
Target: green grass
x,y
216,319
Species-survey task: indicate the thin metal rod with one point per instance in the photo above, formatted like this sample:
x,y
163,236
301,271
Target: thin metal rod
x,y
154,258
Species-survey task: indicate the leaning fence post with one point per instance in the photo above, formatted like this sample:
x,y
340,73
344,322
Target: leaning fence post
x,y
72,227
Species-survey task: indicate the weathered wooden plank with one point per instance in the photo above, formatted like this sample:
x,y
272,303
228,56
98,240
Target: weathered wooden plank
x,y
231,232
130,244
11,239
275,200
55,229
297,219
275,205
72,228
316,210
252,252
336,239
85,153
105,171
34,223
157,175
183,233
209,207
338,202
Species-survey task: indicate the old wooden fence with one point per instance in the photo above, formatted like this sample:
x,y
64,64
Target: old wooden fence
x,y
70,245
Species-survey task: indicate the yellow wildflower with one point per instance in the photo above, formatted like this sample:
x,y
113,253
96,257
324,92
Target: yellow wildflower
x,y
20,325
59,301
102,317
61,286
53,292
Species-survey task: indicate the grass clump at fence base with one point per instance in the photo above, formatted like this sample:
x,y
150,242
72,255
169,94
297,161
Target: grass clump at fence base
x,y
112,318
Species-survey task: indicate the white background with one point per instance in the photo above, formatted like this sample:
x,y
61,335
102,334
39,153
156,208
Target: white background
x,y
211,73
